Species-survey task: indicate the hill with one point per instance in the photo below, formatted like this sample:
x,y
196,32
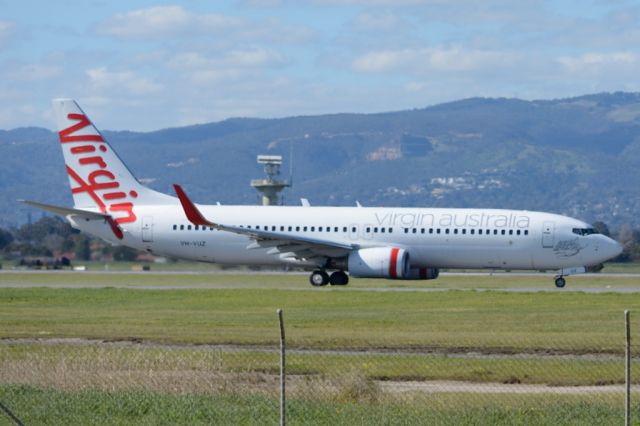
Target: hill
x,y
577,156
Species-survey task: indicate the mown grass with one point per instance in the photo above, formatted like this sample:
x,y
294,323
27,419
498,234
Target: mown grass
x,y
158,368
454,320
43,406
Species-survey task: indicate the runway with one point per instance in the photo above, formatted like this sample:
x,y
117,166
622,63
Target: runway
x,y
144,280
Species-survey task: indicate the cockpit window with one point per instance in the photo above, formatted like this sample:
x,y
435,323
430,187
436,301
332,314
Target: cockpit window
x,y
584,231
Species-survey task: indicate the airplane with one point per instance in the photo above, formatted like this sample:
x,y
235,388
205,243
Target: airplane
x,y
334,243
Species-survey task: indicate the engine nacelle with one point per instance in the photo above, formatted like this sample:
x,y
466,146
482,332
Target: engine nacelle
x,y
379,262
423,274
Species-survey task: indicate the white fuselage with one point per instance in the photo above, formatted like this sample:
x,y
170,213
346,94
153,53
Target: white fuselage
x,y
435,238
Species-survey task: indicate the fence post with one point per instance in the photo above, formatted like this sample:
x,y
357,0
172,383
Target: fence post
x,y
11,415
627,369
282,370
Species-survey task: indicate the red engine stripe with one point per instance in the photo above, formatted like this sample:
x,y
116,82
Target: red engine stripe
x,y
393,264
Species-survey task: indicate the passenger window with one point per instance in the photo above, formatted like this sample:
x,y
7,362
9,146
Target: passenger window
x,y
375,229
368,230
304,229
495,232
518,232
479,231
382,230
431,230
510,231
353,229
297,229
464,231
344,229
503,232
319,228
446,231
526,232
406,230
175,227
438,231
414,230
473,231
182,227
188,227
455,231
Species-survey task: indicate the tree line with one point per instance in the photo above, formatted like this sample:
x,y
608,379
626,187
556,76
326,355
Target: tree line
x,y
52,237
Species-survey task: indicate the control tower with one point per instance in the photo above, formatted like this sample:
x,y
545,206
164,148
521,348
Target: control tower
x,y
270,187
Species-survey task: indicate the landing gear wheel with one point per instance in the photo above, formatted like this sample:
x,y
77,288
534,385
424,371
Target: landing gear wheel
x,y
319,278
560,282
339,278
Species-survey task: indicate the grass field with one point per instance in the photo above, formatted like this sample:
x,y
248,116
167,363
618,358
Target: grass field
x,y
43,407
343,339
242,311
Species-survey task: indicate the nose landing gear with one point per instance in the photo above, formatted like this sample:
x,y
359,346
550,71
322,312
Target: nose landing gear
x,y
560,281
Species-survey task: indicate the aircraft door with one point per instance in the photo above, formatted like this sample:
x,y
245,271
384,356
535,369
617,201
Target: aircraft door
x,y
548,229
147,229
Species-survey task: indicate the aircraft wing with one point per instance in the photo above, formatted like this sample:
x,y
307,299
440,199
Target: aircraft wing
x,y
285,245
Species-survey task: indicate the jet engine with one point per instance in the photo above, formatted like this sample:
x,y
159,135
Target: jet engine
x,y
379,262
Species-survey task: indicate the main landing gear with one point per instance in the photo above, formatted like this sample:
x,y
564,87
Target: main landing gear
x,y
320,278
560,282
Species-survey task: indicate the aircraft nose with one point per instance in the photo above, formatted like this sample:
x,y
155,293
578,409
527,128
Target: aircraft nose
x,y
614,248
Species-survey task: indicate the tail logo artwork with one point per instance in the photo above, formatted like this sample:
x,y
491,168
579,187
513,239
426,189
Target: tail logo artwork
x,y
100,183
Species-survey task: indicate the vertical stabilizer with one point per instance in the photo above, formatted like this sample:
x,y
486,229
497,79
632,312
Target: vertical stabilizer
x,y
98,178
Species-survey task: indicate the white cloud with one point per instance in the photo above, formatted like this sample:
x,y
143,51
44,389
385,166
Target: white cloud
x,y
180,23
234,64
381,21
7,30
34,72
450,59
162,21
101,79
602,64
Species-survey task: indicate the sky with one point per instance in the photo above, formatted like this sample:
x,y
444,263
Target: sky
x,y
146,65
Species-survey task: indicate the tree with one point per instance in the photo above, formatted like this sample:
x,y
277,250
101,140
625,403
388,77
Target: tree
x,y
82,248
5,238
123,253
601,228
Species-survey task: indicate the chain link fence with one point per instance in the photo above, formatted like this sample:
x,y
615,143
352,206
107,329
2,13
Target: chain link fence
x,y
78,381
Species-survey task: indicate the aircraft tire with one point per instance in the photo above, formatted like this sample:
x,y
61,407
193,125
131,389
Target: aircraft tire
x,y
319,278
560,282
339,278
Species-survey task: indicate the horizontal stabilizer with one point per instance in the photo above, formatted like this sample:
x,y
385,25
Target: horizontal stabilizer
x,y
84,214
66,211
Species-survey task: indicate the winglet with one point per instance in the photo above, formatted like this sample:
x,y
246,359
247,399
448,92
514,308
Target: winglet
x,y
190,209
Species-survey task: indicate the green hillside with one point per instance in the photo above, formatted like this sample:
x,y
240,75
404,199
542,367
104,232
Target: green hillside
x,y
577,156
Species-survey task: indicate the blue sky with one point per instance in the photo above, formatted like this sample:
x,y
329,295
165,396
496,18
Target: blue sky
x,y
147,65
